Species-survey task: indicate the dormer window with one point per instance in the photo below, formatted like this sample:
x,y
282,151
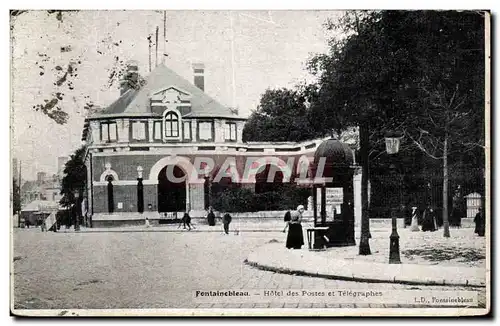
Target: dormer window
x,y
230,131
108,132
171,125
139,130
205,131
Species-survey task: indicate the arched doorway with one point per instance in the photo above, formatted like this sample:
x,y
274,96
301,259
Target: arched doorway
x,y
171,191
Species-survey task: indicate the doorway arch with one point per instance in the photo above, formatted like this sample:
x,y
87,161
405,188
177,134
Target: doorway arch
x,y
172,192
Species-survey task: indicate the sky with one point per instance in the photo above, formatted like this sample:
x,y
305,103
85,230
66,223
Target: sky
x,y
244,52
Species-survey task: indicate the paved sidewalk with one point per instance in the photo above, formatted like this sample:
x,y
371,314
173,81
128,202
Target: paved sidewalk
x,y
203,227
218,228
275,257
240,225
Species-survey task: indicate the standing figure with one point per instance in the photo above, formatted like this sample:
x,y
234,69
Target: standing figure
x,y
480,222
75,214
226,219
428,220
295,238
457,208
43,227
186,220
146,223
414,220
211,217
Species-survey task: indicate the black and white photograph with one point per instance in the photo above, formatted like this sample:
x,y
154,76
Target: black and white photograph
x,y
250,162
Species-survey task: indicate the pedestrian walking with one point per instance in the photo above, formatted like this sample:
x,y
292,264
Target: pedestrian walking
x,y
295,238
146,223
43,227
480,222
226,220
186,220
211,216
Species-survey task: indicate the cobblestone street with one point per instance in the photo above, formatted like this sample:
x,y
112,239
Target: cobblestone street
x,y
153,270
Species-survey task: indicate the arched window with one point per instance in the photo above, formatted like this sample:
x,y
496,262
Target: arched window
x,y
171,124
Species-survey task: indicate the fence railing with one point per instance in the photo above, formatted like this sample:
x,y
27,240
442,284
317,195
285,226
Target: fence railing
x,y
465,193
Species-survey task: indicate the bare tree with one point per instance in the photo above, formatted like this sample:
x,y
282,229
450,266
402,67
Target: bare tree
x,y
444,125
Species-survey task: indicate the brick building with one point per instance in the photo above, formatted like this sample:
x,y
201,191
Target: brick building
x,y
170,126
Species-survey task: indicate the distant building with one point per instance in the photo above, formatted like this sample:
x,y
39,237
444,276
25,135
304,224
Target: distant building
x,y
44,188
41,177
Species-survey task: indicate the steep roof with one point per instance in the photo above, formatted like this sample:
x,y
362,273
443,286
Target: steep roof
x,y
121,103
135,102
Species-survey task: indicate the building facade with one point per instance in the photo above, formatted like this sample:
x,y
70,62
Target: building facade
x,y
159,148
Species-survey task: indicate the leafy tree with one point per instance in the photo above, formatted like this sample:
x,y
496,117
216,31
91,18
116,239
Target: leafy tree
x,y
282,115
418,72
75,175
348,95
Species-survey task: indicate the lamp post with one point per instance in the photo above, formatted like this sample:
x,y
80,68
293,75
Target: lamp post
x,y
77,210
392,142
140,190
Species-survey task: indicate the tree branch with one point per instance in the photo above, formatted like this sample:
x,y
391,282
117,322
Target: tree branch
x,y
432,120
422,148
453,96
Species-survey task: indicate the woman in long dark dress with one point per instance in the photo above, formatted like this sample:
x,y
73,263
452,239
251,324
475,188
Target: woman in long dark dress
x,y
457,210
211,217
428,223
295,238
480,222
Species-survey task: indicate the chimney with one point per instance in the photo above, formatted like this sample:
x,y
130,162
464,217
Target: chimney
x,y
199,75
130,77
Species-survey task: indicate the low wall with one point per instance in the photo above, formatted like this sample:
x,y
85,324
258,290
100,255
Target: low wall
x,y
193,214
263,214
131,219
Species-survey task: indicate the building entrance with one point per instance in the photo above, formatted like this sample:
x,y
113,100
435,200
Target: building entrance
x,y
171,189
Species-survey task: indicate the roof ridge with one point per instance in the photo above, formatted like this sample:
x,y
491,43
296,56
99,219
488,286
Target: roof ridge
x,y
136,101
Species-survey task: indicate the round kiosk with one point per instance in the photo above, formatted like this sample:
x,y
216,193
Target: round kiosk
x,y
333,196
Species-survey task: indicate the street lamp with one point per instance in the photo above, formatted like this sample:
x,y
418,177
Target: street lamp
x,y
392,142
76,193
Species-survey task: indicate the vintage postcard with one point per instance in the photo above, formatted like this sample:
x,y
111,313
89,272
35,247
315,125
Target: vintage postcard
x,y
250,163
